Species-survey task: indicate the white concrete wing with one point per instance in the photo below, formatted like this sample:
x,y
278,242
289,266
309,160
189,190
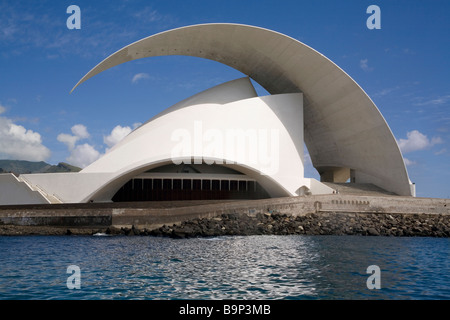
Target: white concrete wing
x,y
262,137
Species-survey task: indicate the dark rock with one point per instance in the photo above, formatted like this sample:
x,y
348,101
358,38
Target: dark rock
x,y
332,223
178,234
372,232
134,231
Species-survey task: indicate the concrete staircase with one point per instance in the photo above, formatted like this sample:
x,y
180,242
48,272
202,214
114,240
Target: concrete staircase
x,y
50,198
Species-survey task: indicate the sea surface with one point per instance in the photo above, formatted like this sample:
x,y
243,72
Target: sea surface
x,y
232,267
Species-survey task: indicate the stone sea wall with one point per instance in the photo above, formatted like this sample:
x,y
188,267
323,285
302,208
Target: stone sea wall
x,y
311,215
365,224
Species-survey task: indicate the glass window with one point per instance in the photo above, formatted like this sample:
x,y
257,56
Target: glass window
x,y
206,185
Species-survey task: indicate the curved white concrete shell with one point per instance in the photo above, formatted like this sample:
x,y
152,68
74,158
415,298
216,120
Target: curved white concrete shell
x,y
346,135
259,136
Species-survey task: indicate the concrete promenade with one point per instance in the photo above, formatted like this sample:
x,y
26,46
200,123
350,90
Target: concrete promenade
x,y
153,215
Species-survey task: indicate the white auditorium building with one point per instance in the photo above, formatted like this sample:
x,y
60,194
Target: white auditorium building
x,y
229,143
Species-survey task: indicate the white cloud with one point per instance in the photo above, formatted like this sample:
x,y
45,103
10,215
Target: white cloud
x,y
148,14
67,139
364,64
117,134
409,162
433,101
139,76
385,91
417,141
18,143
79,132
80,155
442,151
2,109
436,140
83,155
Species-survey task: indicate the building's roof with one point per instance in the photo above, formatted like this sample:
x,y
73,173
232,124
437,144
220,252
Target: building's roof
x,y
342,126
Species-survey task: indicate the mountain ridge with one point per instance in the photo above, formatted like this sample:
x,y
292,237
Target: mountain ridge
x,y
22,166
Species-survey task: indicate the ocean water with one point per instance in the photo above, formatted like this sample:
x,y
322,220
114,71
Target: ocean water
x,y
237,267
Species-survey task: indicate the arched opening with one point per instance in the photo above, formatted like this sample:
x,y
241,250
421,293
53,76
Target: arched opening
x,y
190,182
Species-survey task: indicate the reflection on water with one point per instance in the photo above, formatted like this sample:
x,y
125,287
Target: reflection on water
x,y
241,269
256,267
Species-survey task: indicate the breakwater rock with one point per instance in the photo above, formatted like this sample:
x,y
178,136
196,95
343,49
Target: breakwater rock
x,y
366,224
323,223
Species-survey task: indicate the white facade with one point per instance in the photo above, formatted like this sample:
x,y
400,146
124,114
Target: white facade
x,y
312,101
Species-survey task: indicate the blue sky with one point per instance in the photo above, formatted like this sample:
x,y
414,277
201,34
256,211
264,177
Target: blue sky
x,y
403,67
